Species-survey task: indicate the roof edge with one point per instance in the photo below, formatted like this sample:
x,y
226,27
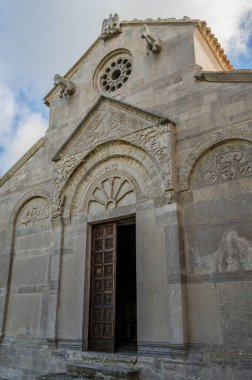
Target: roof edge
x,y
22,160
211,40
149,21
69,73
237,76
214,45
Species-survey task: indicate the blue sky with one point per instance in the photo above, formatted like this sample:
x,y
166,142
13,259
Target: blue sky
x,y
39,38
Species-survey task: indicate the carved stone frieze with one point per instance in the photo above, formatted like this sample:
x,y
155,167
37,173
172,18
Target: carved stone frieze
x,y
109,119
242,133
156,140
226,162
106,124
36,211
110,26
63,170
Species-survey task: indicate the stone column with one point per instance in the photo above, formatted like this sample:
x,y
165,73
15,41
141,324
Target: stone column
x,y
176,281
55,281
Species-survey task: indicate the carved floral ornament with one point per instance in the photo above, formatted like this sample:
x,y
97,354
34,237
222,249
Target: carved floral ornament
x,y
221,137
110,193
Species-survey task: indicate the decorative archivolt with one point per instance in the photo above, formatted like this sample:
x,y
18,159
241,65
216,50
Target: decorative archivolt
x,y
77,171
233,143
110,183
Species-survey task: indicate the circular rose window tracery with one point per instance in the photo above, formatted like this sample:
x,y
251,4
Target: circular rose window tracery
x,y
115,73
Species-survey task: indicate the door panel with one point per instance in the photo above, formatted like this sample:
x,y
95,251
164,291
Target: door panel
x,y
103,286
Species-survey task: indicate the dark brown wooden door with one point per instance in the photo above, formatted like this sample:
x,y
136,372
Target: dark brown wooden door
x,y
103,287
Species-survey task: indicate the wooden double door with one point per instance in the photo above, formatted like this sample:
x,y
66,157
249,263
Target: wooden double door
x,y
112,315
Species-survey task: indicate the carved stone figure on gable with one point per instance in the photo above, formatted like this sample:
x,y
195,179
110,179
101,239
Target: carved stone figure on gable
x,y
67,87
110,26
153,44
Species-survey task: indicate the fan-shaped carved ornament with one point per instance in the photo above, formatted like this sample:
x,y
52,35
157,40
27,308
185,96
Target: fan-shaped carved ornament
x,y
111,193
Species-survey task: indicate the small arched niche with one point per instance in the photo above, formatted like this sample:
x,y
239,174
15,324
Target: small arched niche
x,y
30,273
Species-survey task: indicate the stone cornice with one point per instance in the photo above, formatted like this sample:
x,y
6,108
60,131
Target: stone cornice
x,y
237,76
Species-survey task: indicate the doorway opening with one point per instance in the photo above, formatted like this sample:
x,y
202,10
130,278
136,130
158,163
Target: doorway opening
x,y
126,318
113,304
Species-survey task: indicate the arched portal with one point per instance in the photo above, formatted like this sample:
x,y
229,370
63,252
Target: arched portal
x,y
110,189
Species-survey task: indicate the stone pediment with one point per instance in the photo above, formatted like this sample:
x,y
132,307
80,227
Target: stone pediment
x,y
107,120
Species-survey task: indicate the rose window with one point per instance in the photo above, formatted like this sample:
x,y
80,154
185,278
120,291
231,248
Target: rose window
x,y
115,74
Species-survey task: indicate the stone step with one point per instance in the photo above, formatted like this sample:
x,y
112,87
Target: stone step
x,y
100,372
120,359
58,376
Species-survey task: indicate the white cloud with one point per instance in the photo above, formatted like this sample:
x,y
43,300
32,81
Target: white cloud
x,y
7,109
54,34
20,128
29,130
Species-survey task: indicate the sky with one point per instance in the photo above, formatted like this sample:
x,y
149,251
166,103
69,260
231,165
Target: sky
x,y
39,38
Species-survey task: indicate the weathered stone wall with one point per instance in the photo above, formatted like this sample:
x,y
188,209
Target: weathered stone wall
x,y
192,206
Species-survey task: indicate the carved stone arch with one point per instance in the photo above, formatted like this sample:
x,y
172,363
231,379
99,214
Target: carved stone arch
x,y
131,160
241,134
36,193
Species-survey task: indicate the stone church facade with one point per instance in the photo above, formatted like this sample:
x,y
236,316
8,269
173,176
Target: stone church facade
x,y
125,232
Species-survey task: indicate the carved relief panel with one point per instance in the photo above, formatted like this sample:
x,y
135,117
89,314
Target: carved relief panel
x,y
112,121
36,211
110,193
226,162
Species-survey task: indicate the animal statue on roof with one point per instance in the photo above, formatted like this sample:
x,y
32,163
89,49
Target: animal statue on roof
x,y
110,26
67,87
153,44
